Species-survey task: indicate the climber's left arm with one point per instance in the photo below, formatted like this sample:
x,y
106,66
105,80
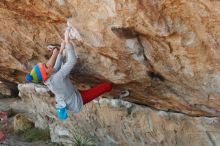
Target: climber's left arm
x,y
59,59
70,63
58,62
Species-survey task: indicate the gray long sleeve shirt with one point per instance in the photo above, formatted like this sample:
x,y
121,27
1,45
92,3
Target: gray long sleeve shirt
x,y
60,84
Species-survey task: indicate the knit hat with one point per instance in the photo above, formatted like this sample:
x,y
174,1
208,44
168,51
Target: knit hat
x,y
38,73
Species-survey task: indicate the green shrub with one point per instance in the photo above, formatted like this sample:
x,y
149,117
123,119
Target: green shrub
x,y
34,134
79,140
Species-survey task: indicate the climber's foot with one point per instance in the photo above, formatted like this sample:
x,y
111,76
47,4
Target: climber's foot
x,y
51,47
124,93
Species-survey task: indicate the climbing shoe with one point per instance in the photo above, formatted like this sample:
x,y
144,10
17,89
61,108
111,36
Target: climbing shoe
x,y
124,93
51,47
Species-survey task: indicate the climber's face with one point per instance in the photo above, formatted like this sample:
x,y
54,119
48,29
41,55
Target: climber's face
x,y
49,70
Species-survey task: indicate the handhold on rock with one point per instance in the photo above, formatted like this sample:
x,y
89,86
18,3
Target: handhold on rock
x,y
72,31
2,136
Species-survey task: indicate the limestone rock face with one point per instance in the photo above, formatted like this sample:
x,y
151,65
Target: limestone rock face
x,y
8,89
165,52
110,122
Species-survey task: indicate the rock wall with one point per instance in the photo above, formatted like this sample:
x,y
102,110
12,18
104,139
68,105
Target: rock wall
x,y
114,122
8,89
165,52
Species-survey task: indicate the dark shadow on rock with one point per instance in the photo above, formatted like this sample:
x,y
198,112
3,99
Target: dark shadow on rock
x,y
125,32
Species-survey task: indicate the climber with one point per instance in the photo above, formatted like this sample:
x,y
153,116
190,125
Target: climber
x,y
56,77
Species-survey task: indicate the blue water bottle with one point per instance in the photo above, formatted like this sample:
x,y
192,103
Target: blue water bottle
x,y
61,110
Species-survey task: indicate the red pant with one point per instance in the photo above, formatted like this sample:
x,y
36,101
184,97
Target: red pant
x,y
89,95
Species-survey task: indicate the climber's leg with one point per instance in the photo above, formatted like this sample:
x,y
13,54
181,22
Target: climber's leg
x,y
53,58
89,95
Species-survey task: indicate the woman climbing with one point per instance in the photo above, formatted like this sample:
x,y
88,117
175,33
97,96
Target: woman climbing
x,y
56,77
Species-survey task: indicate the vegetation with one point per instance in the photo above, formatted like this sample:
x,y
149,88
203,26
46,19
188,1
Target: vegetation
x,y
34,134
79,140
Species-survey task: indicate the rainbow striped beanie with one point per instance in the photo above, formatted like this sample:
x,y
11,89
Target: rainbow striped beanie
x,y
38,73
